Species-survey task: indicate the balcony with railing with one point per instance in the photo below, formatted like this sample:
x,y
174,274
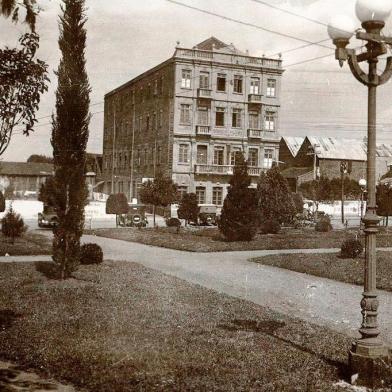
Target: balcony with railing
x,y
254,133
204,93
203,130
255,98
224,169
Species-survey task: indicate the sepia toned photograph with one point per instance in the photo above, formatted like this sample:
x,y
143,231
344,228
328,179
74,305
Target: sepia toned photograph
x,y
195,195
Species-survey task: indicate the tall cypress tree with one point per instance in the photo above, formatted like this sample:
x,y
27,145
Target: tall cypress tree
x,y
69,137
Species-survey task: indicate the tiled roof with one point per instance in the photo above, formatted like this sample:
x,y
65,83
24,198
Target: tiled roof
x,y
293,143
213,43
334,148
25,169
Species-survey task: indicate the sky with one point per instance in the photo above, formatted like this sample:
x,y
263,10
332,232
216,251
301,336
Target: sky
x,y
127,37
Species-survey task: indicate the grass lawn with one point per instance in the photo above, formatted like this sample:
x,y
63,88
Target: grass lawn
x,y
122,327
331,266
210,240
30,243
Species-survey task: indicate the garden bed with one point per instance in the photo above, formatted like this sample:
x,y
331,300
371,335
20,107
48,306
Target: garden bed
x,y
122,327
31,243
332,266
209,239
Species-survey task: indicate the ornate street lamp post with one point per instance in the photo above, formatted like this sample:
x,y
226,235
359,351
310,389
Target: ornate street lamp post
x,y
368,351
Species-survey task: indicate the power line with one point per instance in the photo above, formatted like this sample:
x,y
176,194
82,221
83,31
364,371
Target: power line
x,y
248,24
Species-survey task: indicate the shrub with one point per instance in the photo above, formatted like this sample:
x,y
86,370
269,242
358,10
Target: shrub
x,y
91,254
323,226
270,226
173,222
351,248
2,202
12,225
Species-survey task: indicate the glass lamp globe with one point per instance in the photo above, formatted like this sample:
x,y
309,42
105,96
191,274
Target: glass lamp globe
x,y
341,27
378,10
362,182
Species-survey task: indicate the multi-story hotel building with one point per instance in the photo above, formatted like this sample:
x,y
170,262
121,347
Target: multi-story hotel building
x,y
189,117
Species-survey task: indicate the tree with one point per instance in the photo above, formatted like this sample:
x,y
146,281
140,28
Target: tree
x,y
188,208
160,192
318,190
238,220
47,192
117,204
10,8
9,192
35,158
69,137
12,225
275,200
22,82
298,202
2,202
384,201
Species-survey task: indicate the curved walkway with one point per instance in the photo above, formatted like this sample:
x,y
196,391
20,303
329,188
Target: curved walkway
x,y
317,300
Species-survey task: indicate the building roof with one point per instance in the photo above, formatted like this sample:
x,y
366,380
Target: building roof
x,y
293,143
382,150
25,169
214,44
334,148
295,172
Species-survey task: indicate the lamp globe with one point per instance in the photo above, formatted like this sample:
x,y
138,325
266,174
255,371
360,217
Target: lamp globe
x,y
341,27
377,10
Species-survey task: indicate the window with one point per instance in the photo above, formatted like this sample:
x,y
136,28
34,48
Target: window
x,y
253,159
140,123
183,153
159,155
202,114
185,116
220,117
236,118
219,155
181,190
145,161
234,155
186,78
268,157
160,87
217,195
254,85
204,80
238,84
271,87
160,116
221,82
154,121
201,155
253,120
148,122
201,194
269,121
156,87
152,155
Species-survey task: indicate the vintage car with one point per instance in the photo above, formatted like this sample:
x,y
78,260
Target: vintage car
x,y
208,215
136,216
48,217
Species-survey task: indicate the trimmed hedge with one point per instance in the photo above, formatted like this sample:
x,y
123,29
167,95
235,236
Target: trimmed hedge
x,y
270,227
351,248
91,254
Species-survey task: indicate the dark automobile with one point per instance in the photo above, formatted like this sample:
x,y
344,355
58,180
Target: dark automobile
x,y
208,215
136,216
48,217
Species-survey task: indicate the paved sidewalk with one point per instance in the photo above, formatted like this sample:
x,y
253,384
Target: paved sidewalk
x,y
317,300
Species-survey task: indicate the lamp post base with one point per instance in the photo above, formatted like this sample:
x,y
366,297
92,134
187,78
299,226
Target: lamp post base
x,y
370,365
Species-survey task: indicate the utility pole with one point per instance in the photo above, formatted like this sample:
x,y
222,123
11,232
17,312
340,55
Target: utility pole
x,y
313,150
343,171
113,144
132,149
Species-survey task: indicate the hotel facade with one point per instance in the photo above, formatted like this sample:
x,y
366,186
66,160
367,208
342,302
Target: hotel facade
x,y
189,117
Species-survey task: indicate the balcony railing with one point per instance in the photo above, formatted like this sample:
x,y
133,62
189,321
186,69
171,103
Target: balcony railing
x,y
260,134
203,130
204,93
254,98
224,169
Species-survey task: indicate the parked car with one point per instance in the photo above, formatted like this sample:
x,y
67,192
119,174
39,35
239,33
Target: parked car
x,y
48,217
136,216
208,215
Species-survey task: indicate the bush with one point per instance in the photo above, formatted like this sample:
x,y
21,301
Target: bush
x,y
12,225
173,222
351,248
91,254
323,226
2,202
270,226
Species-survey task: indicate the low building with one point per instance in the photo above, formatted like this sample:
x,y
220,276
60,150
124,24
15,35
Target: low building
x,y
25,178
